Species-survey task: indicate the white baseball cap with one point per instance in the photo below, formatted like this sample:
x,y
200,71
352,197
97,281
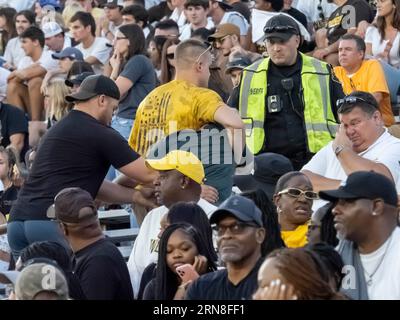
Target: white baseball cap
x,y
51,29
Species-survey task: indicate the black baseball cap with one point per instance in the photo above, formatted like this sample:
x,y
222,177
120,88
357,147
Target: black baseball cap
x,y
94,86
364,185
224,4
77,79
282,27
241,208
268,168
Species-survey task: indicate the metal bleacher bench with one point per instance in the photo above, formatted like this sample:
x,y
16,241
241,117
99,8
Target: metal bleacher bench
x,y
122,234
113,216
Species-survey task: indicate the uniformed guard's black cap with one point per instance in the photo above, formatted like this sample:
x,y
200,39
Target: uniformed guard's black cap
x,y
94,86
281,26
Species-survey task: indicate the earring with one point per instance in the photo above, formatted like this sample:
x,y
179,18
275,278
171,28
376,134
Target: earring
x,y
374,213
279,210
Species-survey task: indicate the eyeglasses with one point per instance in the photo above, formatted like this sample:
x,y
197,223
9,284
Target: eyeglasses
x,y
171,56
279,28
235,229
220,40
297,193
352,100
203,53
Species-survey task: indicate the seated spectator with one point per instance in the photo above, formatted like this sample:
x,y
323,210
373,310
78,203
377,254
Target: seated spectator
x,y
54,251
196,12
77,68
366,219
295,274
270,220
55,105
42,7
75,81
235,67
14,129
295,13
29,284
220,13
316,11
357,74
180,180
180,244
168,61
94,49
239,249
7,26
112,19
55,38
24,84
383,36
340,22
333,262
321,227
99,265
361,144
268,168
10,172
65,60
181,212
13,52
137,14
294,198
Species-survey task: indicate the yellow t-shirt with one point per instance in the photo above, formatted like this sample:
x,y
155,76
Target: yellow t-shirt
x,y
171,107
296,238
369,78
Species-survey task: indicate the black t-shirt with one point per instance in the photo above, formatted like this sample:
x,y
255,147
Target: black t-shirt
x,y
298,15
7,199
102,272
341,19
216,286
13,121
76,152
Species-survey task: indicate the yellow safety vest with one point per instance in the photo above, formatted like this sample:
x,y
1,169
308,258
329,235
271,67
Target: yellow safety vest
x,y
318,116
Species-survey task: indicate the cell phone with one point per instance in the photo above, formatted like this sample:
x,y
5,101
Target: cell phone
x,y
187,272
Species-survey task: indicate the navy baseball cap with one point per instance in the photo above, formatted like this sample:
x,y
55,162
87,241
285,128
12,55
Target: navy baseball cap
x,y
94,86
237,63
72,53
77,79
54,3
241,208
364,185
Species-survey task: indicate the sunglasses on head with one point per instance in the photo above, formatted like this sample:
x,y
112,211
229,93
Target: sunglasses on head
x,y
352,100
279,28
297,193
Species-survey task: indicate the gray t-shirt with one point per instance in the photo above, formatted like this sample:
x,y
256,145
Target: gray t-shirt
x,y
140,71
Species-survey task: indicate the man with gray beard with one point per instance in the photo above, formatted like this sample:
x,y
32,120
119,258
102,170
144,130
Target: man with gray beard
x,y
240,234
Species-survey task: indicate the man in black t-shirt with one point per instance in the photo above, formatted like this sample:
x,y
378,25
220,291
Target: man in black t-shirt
x,y
240,234
350,16
76,152
98,264
14,128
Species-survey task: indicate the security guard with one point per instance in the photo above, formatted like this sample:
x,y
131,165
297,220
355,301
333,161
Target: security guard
x,y
288,100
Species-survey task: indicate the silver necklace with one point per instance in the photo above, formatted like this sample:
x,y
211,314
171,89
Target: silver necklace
x,y
371,275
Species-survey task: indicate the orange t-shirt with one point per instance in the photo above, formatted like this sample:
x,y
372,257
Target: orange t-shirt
x,y
369,78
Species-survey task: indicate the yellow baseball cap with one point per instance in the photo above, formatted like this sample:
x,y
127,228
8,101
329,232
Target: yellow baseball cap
x,y
183,161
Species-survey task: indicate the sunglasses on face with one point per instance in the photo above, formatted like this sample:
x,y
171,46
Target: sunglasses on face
x,y
297,193
235,229
170,56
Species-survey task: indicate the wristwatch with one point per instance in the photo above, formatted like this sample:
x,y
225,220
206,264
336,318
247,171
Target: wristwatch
x,y
338,149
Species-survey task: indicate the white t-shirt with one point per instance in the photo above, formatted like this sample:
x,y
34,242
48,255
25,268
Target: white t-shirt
x,y
385,150
14,52
179,17
386,280
237,19
373,36
145,248
187,29
46,61
310,9
99,50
